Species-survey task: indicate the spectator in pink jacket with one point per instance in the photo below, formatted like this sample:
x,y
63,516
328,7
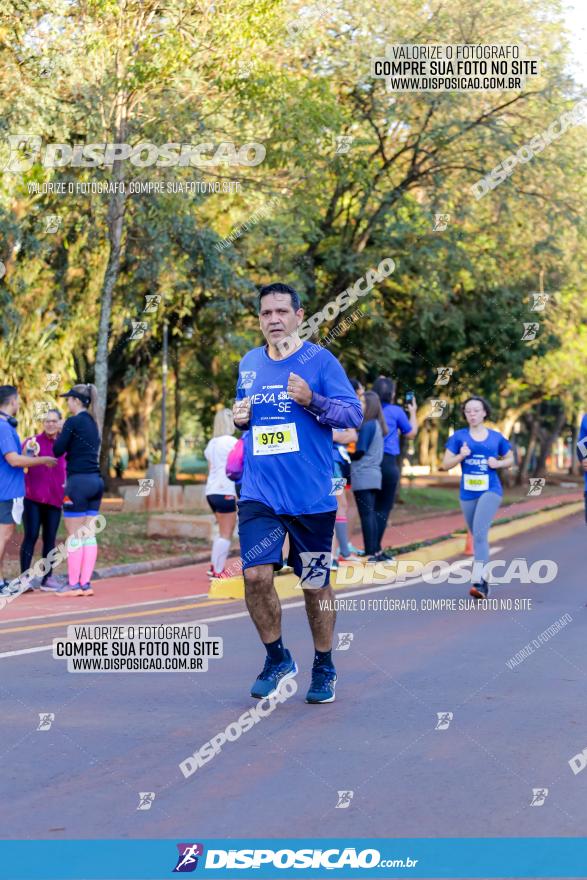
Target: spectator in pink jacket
x,y
43,496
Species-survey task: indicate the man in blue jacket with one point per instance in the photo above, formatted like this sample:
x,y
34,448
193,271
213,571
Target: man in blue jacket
x,y
290,395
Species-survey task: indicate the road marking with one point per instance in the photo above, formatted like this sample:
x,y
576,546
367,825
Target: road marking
x,y
91,620
391,585
115,608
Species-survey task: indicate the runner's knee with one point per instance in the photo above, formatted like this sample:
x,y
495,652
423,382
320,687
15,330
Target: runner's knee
x,y
258,577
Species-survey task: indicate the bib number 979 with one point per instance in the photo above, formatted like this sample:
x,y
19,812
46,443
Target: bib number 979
x,y
272,437
275,440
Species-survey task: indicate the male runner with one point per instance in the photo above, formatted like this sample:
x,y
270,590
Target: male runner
x,y
290,396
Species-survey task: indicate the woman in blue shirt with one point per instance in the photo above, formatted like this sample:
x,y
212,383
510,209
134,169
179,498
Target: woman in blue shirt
x,y
366,472
481,452
582,453
397,423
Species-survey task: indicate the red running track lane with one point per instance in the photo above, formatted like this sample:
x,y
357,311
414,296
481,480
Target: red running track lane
x,y
191,580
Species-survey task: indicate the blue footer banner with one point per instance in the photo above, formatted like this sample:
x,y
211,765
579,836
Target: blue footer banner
x,y
283,858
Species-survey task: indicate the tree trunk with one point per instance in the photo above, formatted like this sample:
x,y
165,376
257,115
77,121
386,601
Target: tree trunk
x,y
107,424
575,468
115,221
424,441
176,411
434,448
532,439
547,442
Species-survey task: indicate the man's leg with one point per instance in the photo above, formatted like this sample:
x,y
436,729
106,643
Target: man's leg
x,y
321,617
311,540
261,536
263,602
6,532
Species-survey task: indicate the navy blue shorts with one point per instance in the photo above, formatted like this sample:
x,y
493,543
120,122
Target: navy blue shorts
x,y
262,533
83,494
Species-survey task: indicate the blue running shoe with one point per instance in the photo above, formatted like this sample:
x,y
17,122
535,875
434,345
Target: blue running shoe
x,y
66,590
323,684
273,674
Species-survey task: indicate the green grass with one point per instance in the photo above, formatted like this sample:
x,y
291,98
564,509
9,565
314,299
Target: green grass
x,y
429,498
125,540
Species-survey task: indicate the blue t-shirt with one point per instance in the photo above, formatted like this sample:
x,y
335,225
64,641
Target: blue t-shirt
x,y
583,436
11,478
288,452
477,476
396,420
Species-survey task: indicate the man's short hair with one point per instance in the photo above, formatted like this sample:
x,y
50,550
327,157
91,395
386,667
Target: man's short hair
x,y
278,287
6,393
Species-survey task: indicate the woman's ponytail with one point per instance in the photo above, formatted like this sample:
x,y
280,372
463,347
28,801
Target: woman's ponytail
x,y
94,407
90,392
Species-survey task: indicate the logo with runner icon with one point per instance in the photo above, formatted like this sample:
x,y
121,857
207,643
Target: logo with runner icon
x,y
316,567
536,485
344,641
188,857
247,377
444,719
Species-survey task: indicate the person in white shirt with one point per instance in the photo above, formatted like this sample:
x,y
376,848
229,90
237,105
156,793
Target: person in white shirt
x,y
220,491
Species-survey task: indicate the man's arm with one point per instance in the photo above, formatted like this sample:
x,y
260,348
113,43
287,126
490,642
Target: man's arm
x,y
336,413
339,406
15,459
347,435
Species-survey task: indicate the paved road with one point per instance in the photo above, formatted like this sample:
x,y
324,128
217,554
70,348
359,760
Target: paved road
x,y
512,730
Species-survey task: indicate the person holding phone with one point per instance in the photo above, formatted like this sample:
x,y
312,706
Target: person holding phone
x,y
397,423
481,452
12,488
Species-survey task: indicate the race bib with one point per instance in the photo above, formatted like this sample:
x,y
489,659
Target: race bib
x,y
275,440
476,482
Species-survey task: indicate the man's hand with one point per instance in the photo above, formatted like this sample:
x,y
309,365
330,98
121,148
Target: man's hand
x,y
299,390
241,411
47,460
493,462
465,451
584,464
412,407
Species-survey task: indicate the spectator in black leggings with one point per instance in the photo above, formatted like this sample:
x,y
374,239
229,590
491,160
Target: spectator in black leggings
x,y
366,471
43,495
397,422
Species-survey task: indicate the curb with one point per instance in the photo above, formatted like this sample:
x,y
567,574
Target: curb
x,y
145,567
165,562
234,588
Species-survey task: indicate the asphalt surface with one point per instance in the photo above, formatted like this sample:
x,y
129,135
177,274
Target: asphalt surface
x,y
512,730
